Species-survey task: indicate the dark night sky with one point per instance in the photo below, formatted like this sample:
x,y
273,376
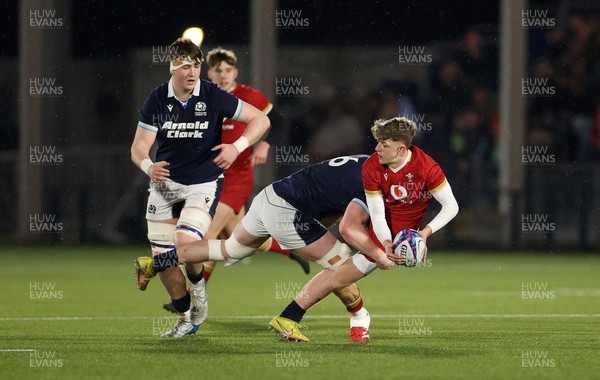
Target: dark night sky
x,y
110,28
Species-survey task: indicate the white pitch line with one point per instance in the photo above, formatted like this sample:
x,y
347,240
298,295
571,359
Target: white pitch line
x,y
341,316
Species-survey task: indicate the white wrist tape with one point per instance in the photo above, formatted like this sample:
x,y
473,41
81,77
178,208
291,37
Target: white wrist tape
x,y
241,144
145,165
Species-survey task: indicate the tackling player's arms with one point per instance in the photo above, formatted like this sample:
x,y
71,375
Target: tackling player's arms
x,y
354,229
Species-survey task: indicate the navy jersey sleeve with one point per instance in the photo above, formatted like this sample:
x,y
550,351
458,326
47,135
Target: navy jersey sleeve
x,y
228,106
148,113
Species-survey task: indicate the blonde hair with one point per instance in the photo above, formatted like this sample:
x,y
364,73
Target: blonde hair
x,y
397,129
218,55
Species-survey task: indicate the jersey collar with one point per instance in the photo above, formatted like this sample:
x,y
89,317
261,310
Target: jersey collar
x,y
408,157
171,91
233,88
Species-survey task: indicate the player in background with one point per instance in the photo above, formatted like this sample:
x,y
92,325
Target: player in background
x,y
289,210
399,180
239,178
184,116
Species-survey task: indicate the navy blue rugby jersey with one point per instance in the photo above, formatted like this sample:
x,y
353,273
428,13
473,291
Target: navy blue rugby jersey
x,y
186,135
325,188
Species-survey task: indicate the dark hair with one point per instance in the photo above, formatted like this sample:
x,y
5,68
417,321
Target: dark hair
x,y
184,47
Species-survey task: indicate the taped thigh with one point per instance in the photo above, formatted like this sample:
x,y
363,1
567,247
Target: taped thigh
x,y
193,222
336,256
160,236
362,264
234,249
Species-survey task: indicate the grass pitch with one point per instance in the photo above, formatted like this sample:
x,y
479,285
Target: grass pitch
x,y
74,313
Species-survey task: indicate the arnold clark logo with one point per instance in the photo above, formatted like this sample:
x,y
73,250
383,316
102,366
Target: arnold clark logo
x,y
185,130
532,223
45,87
536,291
44,359
537,87
44,223
537,155
290,87
290,359
44,19
537,19
413,55
291,19
44,291
536,359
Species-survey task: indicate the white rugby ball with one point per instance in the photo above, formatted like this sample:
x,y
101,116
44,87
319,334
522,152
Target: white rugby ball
x,y
409,244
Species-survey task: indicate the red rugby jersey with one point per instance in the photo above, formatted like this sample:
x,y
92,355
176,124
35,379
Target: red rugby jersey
x,y
233,130
406,191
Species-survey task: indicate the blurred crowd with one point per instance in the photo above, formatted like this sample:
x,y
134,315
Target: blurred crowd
x,y
456,111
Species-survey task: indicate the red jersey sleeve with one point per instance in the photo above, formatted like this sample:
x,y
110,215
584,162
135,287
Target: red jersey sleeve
x,y
371,176
435,177
258,100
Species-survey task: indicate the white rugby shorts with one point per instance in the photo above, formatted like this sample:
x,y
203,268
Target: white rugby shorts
x,y
166,199
271,215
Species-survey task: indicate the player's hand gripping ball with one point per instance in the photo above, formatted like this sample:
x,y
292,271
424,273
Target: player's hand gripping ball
x,y
410,245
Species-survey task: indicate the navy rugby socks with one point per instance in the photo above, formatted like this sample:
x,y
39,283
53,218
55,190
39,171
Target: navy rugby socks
x,y
294,312
194,278
164,261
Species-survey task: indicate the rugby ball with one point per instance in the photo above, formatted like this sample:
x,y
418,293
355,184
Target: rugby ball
x,y
410,245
